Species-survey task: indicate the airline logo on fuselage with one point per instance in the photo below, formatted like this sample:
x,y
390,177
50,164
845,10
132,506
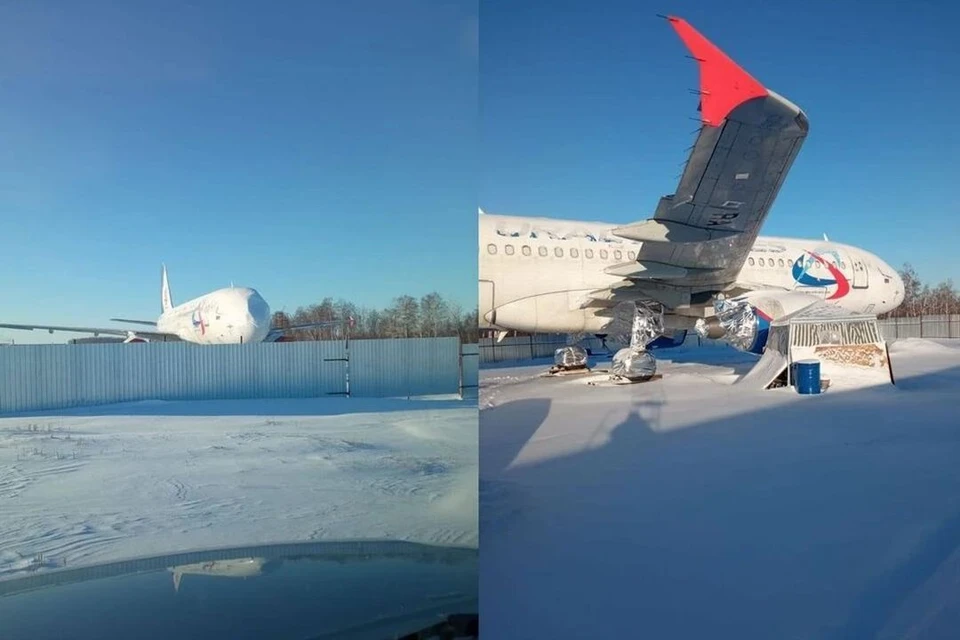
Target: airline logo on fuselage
x,y
801,273
198,322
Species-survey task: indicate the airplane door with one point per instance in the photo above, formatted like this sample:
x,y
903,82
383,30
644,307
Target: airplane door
x,y
488,314
861,277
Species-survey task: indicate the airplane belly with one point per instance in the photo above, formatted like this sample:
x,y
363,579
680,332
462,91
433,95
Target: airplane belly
x,y
549,313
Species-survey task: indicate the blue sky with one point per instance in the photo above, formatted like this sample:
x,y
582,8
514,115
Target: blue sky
x,y
585,114
325,149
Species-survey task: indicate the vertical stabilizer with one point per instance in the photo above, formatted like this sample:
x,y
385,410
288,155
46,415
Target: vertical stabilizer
x,y
165,302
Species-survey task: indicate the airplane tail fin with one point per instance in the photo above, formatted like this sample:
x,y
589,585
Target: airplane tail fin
x,y
165,302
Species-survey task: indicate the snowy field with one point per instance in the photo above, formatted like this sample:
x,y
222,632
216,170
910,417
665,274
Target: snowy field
x,y
130,480
688,508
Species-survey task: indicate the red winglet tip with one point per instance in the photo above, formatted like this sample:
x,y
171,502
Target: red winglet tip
x,y
723,83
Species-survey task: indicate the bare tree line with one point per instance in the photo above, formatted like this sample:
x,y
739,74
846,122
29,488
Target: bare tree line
x,y
920,299
430,316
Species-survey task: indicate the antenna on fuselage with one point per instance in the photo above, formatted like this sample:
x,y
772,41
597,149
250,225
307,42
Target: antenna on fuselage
x,y
825,238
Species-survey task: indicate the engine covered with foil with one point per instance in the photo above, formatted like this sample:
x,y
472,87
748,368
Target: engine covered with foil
x,y
744,321
741,325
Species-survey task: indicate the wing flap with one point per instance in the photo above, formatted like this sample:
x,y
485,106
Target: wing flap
x,y
647,270
666,230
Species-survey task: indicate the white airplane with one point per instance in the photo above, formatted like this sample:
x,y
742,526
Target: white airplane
x,y
226,316
699,263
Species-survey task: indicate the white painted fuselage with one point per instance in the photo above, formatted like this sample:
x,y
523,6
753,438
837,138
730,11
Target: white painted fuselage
x,y
226,316
538,274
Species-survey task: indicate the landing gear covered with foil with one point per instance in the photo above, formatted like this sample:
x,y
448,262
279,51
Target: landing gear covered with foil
x,y
570,359
635,363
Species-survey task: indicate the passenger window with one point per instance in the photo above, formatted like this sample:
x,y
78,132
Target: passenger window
x,y
632,255
508,249
542,251
618,254
574,253
762,262
558,252
752,262
526,250
603,254
588,253
492,249
781,262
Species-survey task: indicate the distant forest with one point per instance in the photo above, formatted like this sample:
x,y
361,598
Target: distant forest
x,y
921,299
408,317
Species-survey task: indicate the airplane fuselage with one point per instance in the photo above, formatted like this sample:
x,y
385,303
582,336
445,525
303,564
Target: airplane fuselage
x,y
226,316
537,274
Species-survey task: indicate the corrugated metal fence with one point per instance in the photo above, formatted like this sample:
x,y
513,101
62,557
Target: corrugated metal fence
x,y
40,377
945,326
470,369
411,367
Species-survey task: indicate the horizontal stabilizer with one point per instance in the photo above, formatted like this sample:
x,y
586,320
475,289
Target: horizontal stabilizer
x,y
669,231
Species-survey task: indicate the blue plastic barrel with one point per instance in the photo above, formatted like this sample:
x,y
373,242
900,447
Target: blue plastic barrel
x,y
807,376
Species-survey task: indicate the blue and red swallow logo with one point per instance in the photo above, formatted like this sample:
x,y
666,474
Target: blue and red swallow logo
x,y
801,273
198,322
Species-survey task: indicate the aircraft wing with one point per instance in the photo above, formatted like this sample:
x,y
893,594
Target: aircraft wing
x,y
275,331
699,237
94,330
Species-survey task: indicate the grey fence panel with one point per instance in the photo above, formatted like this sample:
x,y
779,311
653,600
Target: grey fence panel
x,y
933,326
404,367
469,369
38,377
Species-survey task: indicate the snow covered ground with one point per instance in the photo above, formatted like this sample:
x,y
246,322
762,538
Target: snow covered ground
x,y
689,508
130,480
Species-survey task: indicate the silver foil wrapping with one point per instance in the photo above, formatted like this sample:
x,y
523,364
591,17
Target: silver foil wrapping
x,y
739,322
571,357
702,327
637,324
634,364
647,326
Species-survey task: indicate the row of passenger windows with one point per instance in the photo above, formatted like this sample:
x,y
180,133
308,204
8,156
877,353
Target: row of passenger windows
x,y
780,262
543,252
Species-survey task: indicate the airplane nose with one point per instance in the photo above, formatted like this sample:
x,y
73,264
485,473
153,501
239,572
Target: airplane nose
x,y
259,310
899,291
